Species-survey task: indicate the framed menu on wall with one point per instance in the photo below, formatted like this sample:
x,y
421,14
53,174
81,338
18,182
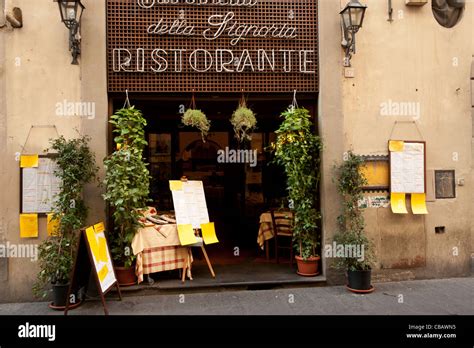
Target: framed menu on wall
x,y
407,166
39,186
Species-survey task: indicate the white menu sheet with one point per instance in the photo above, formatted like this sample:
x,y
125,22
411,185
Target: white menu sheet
x,y
407,169
190,204
40,186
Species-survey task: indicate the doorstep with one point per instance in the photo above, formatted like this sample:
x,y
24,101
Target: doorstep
x,y
251,275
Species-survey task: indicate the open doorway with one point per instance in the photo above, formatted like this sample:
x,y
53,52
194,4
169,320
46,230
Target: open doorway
x,y
236,193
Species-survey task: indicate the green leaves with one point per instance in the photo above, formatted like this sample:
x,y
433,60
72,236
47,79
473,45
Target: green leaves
x,y
350,182
298,149
196,118
243,120
126,181
76,167
129,124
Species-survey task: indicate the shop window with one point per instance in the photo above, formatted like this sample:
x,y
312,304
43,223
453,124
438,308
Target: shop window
x,y
448,12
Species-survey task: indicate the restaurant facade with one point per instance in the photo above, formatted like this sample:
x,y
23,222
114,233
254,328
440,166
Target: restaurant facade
x,y
411,78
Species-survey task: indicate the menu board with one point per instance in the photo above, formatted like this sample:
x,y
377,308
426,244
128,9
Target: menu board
x,y
101,256
407,167
39,187
189,203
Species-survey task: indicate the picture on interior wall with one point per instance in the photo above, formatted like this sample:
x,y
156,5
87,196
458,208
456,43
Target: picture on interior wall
x,y
160,144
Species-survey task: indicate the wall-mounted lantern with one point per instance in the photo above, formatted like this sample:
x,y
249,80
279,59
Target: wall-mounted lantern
x,y
71,14
352,17
14,17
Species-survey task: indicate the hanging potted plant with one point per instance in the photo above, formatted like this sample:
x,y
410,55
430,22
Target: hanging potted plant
x,y
298,149
127,183
350,182
197,119
75,167
243,121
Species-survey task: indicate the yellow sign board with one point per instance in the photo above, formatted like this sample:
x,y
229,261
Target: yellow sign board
x,y
376,173
101,255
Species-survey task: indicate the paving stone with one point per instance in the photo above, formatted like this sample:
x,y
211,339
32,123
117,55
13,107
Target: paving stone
x,y
435,297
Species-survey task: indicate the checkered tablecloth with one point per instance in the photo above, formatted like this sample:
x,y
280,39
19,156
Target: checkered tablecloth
x,y
161,259
265,231
158,249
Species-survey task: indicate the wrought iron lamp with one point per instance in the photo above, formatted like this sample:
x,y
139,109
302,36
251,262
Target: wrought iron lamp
x,y
352,17
71,14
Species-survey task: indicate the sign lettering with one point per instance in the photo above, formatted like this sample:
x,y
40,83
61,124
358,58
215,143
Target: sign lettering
x,y
267,43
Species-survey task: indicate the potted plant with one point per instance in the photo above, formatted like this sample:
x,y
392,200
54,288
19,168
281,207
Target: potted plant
x,y
350,182
196,118
243,121
56,261
298,149
127,183
75,167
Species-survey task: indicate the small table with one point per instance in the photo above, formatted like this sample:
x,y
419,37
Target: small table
x,y
158,249
265,231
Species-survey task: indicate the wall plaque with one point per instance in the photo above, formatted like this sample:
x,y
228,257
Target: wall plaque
x,y
445,185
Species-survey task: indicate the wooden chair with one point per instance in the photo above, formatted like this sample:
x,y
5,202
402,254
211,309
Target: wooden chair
x,y
282,223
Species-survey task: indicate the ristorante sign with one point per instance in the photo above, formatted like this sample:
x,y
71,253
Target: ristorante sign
x,y
212,45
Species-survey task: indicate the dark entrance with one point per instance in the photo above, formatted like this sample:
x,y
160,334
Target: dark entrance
x,y
236,193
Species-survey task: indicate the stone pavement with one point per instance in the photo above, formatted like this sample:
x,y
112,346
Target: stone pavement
x,y
422,297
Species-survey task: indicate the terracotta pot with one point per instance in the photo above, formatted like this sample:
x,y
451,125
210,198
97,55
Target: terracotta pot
x,y
126,276
309,267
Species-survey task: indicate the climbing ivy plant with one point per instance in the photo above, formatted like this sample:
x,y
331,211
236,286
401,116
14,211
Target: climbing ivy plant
x,y
297,149
127,181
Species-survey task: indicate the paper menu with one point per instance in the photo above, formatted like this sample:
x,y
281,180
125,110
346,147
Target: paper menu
x,y
407,169
398,203
209,233
186,235
189,203
28,225
29,161
418,203
39,187
52,226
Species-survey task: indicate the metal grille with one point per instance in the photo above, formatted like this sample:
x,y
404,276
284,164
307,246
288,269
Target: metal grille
x,y
127,25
